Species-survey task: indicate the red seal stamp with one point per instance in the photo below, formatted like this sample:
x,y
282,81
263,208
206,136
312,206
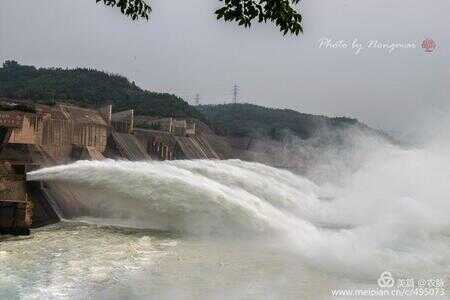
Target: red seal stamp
x,y
429,45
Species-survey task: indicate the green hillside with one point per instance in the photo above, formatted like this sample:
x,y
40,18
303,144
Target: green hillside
x,y
252,120
87,87
92,88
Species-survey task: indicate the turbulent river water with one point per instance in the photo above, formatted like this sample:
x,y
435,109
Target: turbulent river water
x,y
235,230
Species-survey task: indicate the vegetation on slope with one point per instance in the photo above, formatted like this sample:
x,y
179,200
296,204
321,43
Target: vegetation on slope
x,y
245,119
88,87
92,88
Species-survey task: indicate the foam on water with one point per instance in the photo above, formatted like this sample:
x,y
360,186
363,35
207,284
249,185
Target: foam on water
x,y
391,214
74,260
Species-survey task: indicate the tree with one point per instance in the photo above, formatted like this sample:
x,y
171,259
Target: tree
x,y
280,12
88,88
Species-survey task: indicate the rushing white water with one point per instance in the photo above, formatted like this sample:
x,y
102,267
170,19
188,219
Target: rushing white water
x,y
391,214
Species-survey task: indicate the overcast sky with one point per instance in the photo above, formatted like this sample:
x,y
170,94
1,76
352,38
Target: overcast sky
x,y
184,50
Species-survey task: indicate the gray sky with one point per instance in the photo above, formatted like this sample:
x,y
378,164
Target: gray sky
x,y
184,50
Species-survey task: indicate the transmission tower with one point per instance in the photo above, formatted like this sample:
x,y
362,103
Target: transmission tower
x,y
235,93
197,99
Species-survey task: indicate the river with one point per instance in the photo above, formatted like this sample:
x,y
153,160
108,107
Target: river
x,y
237,230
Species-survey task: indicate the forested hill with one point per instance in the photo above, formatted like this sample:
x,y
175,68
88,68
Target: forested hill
x,y
88,87
245,119
92,88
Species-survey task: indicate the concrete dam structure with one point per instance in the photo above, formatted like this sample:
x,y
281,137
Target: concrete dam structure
x,y
196,148
176,139
129,146
33,136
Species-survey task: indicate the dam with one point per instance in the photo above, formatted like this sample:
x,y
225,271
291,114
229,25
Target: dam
x,y
33,136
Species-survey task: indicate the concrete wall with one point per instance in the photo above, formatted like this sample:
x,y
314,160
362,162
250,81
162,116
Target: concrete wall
x,y
29,133
59,133
123,121
106,113
91,135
